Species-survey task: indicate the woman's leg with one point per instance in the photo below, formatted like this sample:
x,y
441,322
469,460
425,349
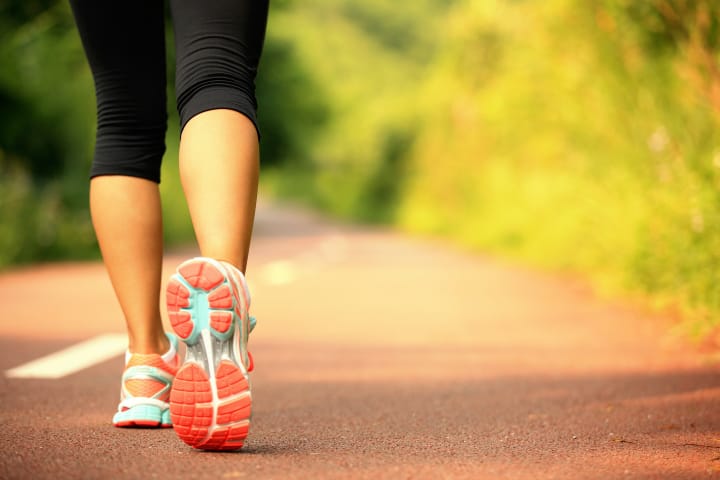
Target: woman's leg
x,y
219,171
125,47
218,47
127,219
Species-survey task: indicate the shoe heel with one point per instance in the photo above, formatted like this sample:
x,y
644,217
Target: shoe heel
x,y
199,296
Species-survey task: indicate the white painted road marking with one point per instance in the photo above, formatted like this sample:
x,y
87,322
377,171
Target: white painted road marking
x,y
72,359
96,350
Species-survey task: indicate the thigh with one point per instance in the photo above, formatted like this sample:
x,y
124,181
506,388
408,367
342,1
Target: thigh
x,y
125,46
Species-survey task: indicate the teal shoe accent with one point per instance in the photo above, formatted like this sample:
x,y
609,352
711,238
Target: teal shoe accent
x,y
199,309
166,420
173,340
140,416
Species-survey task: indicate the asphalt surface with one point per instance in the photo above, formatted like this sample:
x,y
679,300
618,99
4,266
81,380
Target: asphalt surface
x,y
378,356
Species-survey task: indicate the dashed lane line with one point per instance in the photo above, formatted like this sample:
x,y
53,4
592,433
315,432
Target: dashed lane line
x,y
73,358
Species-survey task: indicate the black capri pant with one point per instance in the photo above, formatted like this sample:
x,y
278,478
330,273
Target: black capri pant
x,y
218,45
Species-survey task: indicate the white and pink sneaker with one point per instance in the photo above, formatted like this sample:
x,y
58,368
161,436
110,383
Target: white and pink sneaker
x,y
210,400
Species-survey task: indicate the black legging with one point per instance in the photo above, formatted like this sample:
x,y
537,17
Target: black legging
x,y
218,45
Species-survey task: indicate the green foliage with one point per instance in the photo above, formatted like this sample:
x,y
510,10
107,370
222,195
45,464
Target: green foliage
x,y
574,135
365,60
286,92
45,135
586,140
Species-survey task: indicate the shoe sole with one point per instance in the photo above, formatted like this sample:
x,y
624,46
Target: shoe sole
x,y
210,400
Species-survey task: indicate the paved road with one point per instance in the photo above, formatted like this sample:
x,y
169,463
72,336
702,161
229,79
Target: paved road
x,y
378,356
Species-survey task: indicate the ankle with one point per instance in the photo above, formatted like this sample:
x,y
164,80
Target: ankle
x,y
239,262
150,344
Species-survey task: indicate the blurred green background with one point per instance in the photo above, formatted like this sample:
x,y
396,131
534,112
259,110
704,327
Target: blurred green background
x,y
575,136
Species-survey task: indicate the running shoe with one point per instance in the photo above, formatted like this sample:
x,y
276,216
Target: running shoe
x,y
145,390
210,400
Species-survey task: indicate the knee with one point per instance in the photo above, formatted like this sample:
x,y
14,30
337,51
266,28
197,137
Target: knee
x,y
216,79
130,137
